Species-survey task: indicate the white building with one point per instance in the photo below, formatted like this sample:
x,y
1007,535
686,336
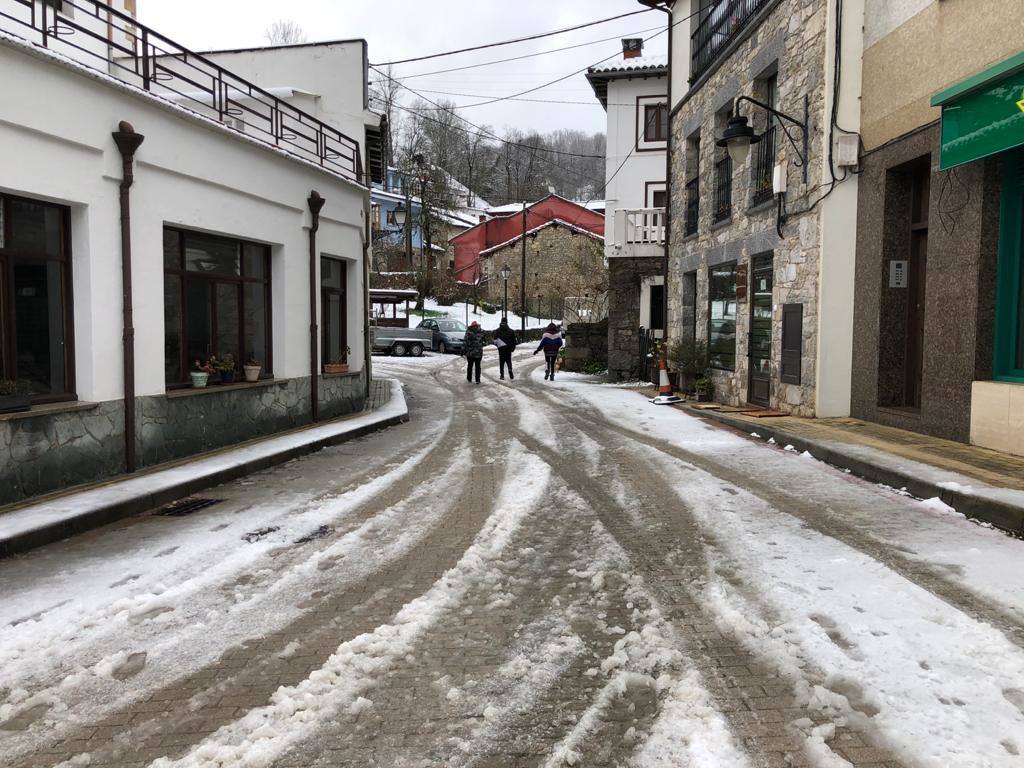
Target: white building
x,y
221,223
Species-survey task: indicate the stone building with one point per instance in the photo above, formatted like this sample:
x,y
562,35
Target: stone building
x,y
762,242
939,321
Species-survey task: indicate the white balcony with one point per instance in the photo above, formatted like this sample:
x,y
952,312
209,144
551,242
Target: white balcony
x,y
638,232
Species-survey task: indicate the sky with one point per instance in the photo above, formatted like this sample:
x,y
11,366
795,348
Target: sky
x,y
399,29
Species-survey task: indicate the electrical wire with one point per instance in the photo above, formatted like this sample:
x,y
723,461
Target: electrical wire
x,y
532,101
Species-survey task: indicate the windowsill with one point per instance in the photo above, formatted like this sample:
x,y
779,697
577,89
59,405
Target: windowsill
x,y
346,374
691,236
764,205
48,409
210,389
721,224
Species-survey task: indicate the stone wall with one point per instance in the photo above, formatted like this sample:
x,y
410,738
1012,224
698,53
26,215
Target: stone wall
x,y
55,447
624,277
790,39
586,343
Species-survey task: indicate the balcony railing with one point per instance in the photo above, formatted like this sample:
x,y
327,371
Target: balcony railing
x,y
723,190
639,231
719,24
692,192
114,43
763,167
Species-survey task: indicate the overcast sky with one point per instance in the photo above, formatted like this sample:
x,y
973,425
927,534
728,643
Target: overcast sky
x,y
399,29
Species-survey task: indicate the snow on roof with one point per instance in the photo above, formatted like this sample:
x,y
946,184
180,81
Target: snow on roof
x,y
654,61
551,223
504,210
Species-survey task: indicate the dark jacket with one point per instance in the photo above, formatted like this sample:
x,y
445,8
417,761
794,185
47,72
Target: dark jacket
x,y
550,343
473,346
508,336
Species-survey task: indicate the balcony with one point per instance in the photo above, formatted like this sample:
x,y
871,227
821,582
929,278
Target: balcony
x,y
719,25
722,210
115,44
639,232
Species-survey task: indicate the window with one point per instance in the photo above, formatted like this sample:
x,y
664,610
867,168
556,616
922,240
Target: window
x,y
35,298
334,308
658,198
375,216
763,167
391,217
656,122
722,316
216,301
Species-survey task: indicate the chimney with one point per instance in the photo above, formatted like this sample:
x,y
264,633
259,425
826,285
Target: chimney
x,y
632,47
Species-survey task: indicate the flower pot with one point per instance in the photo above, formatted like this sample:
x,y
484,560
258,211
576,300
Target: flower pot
x,y
14,403
336,368
199,379
252,372
227,377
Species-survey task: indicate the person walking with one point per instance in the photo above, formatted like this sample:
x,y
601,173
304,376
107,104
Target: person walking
x,y
505,341
550,342
473,349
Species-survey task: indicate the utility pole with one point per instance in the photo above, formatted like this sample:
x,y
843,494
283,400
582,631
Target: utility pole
x,y
408,224
522,279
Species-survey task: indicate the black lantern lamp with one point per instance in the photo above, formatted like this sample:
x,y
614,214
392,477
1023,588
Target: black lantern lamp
x,y
400,213
738,135
737,138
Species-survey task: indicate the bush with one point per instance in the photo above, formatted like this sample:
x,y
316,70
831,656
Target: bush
x,y
689,356
594,367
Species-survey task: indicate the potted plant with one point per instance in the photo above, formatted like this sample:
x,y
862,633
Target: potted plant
x,y
689,357
225,366
15,395
252,369
705,388
201,372
338,365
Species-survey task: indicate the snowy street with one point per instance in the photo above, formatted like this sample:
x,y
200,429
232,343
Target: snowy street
x,y
525,574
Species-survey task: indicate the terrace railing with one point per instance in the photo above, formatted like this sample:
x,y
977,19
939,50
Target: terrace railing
x,y
719,24
113,42
640,231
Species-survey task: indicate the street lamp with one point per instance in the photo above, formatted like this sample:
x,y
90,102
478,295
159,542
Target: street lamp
x,y
399,214
506,273
738,135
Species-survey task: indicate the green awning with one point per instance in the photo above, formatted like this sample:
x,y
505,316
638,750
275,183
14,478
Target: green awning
x,y
983,115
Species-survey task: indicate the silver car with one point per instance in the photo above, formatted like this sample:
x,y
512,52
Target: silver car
x,y
448,335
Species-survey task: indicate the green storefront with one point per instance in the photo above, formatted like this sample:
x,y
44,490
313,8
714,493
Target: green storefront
x,y
983,116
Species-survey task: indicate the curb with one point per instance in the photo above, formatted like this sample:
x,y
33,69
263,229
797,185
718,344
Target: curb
x,y
1008,517
40,523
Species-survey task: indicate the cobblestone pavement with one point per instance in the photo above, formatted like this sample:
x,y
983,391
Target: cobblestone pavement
x,y
507,580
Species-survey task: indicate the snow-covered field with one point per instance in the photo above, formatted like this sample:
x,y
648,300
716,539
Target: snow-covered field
x,y
466,313
528,573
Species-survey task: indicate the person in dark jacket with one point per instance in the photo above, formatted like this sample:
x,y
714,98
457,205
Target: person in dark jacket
x,y
508,340
550,342
473,349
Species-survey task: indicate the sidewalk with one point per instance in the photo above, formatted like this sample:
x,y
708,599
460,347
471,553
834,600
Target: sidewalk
x,y
977,482
60,515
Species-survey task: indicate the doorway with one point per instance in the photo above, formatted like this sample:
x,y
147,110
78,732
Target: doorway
x,y
759,340
917,271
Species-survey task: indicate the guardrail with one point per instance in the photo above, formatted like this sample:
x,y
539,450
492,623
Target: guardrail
x,y
719,24
113,42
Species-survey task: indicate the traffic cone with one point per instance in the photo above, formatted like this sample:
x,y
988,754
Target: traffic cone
x,y
665,396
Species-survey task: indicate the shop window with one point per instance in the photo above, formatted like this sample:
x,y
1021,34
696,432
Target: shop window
x,y
35,298
722,316
334,307
216,302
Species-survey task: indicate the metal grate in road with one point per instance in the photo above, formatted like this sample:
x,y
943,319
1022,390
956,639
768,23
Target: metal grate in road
x,y
187,507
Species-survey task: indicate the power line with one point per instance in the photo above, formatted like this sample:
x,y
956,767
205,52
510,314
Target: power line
x,y
514,40
534,101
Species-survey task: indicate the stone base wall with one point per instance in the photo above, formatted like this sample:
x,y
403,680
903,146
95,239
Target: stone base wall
x,y
56,447
624,278
586,343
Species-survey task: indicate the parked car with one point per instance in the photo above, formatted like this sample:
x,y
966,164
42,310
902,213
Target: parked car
x,y
448,335
399,341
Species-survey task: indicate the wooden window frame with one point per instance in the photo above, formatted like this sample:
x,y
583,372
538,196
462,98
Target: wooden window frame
x,y
325,292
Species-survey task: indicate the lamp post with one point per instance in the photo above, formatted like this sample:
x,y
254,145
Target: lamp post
x,y
506,273
739,136
401,214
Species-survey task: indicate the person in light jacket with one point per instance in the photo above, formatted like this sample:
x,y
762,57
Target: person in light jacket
x,y
473,349
508,338
550,342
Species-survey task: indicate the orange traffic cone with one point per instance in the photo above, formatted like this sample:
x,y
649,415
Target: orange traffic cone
x,y
665,396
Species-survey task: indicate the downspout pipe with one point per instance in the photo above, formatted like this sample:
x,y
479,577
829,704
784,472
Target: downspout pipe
x,y
128,141
316,204
367,349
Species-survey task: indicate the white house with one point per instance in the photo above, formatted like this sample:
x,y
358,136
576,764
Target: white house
x,y
157,209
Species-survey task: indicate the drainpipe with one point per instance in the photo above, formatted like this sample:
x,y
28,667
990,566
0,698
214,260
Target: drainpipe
x,y
668,188
316,203
366,301
128,141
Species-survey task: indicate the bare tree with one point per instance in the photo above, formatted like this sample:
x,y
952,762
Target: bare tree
x,y
285,32
385,93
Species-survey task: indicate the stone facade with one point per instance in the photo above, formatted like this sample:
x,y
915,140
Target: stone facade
x,y
586,343
57,447
624,279
559,263
787,40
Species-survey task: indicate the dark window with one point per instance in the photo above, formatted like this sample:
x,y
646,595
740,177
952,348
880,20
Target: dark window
x,y
722,316
763,167
35,298
657,319
216,302
334,307
656,122
723,190
792,342
658,198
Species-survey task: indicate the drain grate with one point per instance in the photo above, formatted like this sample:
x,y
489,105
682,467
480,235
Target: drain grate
x,y
319,533
187,507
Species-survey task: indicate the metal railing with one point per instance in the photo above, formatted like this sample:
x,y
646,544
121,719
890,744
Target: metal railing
x,y
692,192
763,167
719,24
110,41
723,190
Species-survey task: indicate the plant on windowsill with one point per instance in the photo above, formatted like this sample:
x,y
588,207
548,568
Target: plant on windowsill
x,y
705,388
339,365
15,395
200,373
252,369
225,366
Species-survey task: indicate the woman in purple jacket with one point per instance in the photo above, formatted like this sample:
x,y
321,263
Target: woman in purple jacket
x,y
550,342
